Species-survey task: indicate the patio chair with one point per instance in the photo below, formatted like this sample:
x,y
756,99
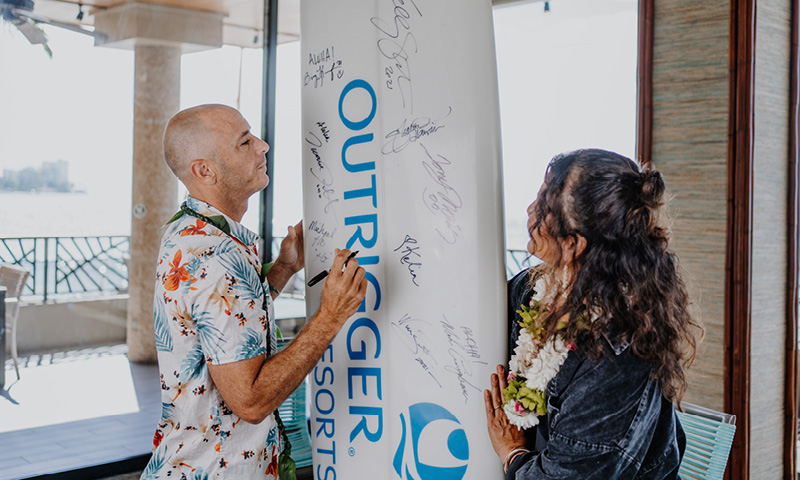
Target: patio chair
x,y
13,277
709,435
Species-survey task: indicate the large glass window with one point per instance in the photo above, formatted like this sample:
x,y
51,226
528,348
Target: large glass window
x,y
66,126
567,80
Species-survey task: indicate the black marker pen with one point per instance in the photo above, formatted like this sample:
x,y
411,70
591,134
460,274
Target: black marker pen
x,y
324,273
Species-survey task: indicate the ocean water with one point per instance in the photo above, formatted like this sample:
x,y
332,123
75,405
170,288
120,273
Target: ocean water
x,y
96,213
102,213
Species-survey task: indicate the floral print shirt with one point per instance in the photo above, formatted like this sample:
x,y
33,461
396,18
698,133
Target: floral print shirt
x,y
210,307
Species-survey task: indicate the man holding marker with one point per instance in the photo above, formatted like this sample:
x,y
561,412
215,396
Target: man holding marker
x,y
221,378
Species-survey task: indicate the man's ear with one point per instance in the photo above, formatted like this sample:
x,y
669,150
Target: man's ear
x,y
203,171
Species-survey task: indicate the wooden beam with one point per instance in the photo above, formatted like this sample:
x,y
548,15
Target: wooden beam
x,y
738,264
793,266
644,84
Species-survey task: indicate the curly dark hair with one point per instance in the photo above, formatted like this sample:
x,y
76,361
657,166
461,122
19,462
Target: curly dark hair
x,y
627,279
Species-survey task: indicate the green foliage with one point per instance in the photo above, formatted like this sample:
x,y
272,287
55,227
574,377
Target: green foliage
x,y
532,400
532,318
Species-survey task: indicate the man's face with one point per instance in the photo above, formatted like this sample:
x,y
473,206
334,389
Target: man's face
x,y
241,155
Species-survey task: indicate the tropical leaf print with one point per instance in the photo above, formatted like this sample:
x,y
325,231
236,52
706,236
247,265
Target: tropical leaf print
x,y
248,286
251,346
167,410
210,335
198,474
225,248
154,466
163,338
193,364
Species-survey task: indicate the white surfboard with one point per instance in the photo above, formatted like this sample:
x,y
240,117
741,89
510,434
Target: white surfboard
x,y
401,162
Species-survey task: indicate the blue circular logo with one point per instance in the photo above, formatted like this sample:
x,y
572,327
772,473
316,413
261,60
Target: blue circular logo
x,y
433,446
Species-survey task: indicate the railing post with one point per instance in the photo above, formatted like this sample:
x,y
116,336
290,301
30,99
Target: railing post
x,y
2,337
46,263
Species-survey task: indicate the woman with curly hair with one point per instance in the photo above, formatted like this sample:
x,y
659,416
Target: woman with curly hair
x,y
601,332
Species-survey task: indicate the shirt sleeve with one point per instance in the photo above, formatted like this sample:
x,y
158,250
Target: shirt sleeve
x,y
230,310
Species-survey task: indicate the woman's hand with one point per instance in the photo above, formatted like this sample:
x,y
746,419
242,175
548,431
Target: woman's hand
x,y
504,436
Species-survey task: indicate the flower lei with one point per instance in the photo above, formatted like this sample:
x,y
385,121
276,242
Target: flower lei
x,y
533,365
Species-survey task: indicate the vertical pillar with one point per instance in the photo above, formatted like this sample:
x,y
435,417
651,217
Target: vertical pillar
x,y
155,188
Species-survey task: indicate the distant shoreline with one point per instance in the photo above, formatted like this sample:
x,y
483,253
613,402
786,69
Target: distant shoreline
x,y
40,192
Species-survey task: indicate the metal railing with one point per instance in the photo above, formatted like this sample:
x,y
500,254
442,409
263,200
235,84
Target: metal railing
x,y
87,266
74,266
518,260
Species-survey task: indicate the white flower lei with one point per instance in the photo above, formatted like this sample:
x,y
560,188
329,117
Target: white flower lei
x,y
532,366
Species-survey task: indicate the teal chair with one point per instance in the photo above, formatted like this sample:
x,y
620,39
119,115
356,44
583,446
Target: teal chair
x,y
709,435
293,414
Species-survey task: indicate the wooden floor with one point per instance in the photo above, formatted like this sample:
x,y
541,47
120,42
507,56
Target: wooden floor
x,y
72,412
89,413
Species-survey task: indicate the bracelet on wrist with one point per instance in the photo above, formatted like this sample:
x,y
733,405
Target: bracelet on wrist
x,y
511,455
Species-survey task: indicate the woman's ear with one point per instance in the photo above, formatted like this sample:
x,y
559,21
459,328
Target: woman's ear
x,y
203,171
574,246
580,245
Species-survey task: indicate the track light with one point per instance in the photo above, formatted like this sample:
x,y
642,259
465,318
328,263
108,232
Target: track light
x,y
80,12
546,6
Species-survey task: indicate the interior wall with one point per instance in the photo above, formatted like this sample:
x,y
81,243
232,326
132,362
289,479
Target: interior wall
x,y
689,146
769,254
691,114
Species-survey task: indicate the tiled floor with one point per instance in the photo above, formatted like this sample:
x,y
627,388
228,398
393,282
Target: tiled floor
x,y
77,409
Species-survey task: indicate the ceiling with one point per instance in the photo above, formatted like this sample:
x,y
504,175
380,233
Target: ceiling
x,y
242,24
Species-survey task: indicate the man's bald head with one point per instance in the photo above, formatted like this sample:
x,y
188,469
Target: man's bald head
x,y
191,135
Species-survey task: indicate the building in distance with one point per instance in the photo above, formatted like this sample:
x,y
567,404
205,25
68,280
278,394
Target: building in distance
x,y
50,177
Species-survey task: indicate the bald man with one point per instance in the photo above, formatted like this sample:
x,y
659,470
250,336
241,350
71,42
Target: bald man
x,y
221,379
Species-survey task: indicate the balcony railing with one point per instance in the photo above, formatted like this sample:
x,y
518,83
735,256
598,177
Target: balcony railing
x,y
94,266
73,266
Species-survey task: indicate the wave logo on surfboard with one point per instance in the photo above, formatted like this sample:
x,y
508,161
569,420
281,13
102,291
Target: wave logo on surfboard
x,y
433,445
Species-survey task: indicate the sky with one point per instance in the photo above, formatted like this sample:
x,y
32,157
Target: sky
x,y
567,80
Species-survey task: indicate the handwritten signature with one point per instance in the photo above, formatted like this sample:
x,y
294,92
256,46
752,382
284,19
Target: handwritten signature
x,y
411,334
463,354
320,73
442,200
398,73
409,255
409,132
321,233
322,173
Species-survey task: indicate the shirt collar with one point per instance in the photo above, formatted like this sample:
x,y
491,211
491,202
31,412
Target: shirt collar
x,y
242,233
618,343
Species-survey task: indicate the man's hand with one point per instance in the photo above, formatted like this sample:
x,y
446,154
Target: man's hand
x,y
344,290
291,258
291,254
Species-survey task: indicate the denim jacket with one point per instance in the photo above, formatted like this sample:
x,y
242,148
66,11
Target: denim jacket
x,y
606,418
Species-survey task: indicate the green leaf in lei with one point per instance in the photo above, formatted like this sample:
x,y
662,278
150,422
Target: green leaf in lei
x,y
531,319
287,470
532,400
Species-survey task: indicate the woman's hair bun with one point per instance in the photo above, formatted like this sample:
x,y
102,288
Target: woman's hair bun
x,y
652,187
